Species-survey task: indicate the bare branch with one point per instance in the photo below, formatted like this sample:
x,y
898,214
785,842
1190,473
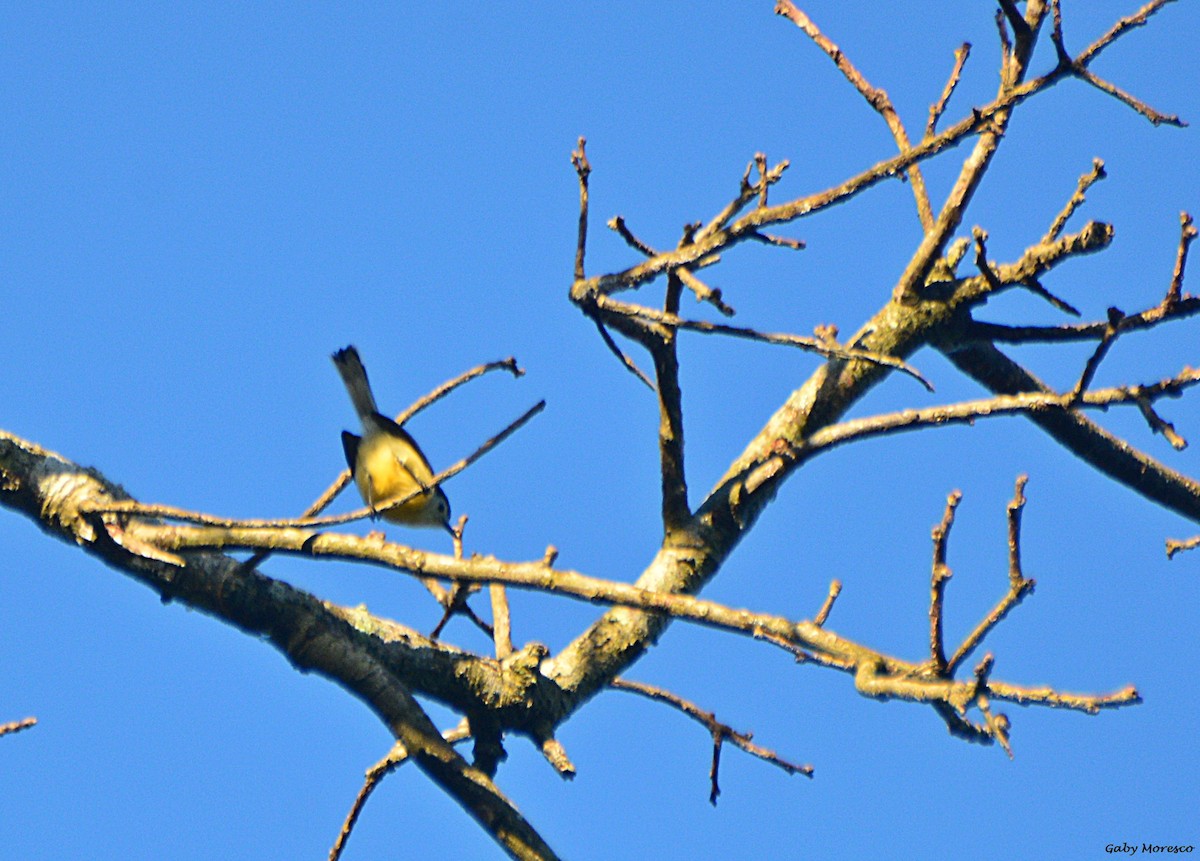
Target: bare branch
x,y
17,725
363,670
1115,316
835,589
1160,425
1018,585
1085,182
339,484
876,97
941,574
1174,545
1014,530
174,513
1079,66
1056,35
510,365
582,170
556,755
703,292
375,775
1156,117
997,725
1035,404
1108,454
983,331
627,362
1187,233
747,191
720,732
812,345
899,679
1088,703
1034,262
781,241
937,108
1118,29
454,603
988,121
617,225
1021,29
1005,43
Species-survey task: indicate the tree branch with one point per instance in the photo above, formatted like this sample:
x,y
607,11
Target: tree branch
x,y
1110,455
720,732
876,97
318,637
17,725
937,108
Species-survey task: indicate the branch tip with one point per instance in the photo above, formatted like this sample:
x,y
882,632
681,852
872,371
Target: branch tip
x,y
835,589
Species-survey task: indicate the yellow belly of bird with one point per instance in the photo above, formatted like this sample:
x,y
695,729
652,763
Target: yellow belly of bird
x,y
385,472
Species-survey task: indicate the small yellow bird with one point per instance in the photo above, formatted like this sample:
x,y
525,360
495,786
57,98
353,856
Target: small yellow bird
x,y
386,462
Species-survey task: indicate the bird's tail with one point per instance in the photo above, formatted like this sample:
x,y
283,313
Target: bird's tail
x,y
354,375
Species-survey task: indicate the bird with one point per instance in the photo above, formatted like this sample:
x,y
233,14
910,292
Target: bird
x,y
386,462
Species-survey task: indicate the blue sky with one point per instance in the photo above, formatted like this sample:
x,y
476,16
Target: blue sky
x,y
201,202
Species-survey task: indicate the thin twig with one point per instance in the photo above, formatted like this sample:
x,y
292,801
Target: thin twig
x,y
1187,232
1111,331
375,775
940,575
1085,182
835,589
556,755
625,361
1005,42
1028,279
1137,19
1020,27
174,513
1015,507
703,292
455,604
1156,117
876,97
1056,34
968,412
781,241
983,331
1175,545
997,725
1160,425
17,725
813,345
330,493
720,732
760,161
1018,585
937,108
582,169
510,365
747,191
617,225
1038,289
